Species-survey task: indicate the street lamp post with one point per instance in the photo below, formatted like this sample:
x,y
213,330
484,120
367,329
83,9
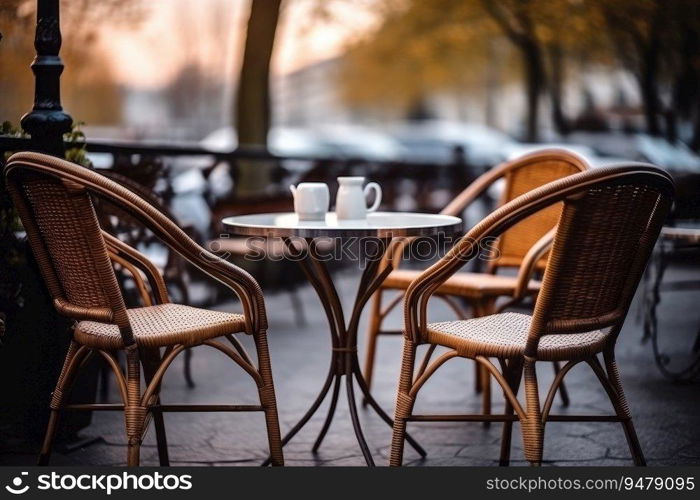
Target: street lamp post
x,y
47,122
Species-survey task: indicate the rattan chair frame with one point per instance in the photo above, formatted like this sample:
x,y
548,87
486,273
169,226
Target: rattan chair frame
x,y
80,186
528,262
174,269
547,318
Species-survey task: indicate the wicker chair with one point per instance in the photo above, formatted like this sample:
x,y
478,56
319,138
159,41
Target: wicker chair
x,y
54,200
523,247
610,220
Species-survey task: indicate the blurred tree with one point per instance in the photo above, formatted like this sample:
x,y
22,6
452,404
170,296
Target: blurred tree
x,y
253,102
252,113
16,54
636,29
658,41
517,20
420,48
197,93
424,47
445,43
89,91
684,66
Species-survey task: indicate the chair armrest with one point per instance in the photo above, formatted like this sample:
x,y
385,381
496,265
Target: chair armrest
x,y
455,208
529,264
475,190
231,276
120,251
421,289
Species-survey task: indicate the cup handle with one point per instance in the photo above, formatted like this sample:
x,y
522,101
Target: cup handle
x,y
377,195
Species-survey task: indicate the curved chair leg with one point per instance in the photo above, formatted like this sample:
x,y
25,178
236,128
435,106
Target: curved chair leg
x,y
622,408
134,412
563,393
151,360
515,373
268,401
477,378
485,394
477,311
482,375
71,364
176,276
375,323
532,425
188,368
404,403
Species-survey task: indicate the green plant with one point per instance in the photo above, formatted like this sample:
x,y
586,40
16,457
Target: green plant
x,y
77,152
12,247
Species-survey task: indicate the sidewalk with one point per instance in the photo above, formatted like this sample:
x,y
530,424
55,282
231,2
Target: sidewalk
x,y
666,415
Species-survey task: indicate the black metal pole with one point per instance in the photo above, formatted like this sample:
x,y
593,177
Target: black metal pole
x,y
47,122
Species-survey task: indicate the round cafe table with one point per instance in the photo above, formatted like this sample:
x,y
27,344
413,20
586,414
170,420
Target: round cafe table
x,y
374,235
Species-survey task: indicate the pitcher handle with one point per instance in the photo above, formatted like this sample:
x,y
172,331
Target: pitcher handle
x,y
377,195
293,189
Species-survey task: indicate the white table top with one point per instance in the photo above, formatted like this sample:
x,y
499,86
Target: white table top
x,y
683,234
377,224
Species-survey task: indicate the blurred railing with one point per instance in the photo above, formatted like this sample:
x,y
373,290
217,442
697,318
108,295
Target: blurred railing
x,y
161,168
406,186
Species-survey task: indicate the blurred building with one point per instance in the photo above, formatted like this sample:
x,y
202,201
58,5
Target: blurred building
x,y
312,95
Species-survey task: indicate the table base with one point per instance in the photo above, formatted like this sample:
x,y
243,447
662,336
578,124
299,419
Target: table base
x,y
344,362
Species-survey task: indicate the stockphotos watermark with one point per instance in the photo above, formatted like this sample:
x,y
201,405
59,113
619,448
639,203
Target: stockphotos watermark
x,y
102,483
363,250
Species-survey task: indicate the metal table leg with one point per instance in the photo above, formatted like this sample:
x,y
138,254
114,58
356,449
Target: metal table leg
x,y
344,361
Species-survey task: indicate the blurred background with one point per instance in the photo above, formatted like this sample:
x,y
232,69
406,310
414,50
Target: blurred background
x,y
213,107
480,74
409,82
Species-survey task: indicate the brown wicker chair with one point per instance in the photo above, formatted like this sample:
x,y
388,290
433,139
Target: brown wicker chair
x,y
609,222
524,247
54,200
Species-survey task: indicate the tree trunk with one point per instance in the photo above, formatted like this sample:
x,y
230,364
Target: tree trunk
x,y
555,87
648,78
648,89
252,115
695,140
685,101
534,83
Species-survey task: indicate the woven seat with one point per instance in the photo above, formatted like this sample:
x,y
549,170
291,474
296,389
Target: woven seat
x,y
464,284
162,325
505,336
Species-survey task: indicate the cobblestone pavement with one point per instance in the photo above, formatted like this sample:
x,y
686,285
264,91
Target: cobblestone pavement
x,y
665,414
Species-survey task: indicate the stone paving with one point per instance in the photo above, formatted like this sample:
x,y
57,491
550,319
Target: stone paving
x,y
666,414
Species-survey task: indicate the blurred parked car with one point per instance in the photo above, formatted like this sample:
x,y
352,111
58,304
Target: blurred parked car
x,y
589,154
676,156
355,141
445,142
283,141
331,141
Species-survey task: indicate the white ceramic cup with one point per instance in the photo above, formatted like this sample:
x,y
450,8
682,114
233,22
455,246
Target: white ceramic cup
x,y
311,200
351,201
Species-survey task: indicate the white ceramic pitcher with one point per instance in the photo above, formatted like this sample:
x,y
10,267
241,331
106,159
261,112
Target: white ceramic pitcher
x,y
351,201
310,200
